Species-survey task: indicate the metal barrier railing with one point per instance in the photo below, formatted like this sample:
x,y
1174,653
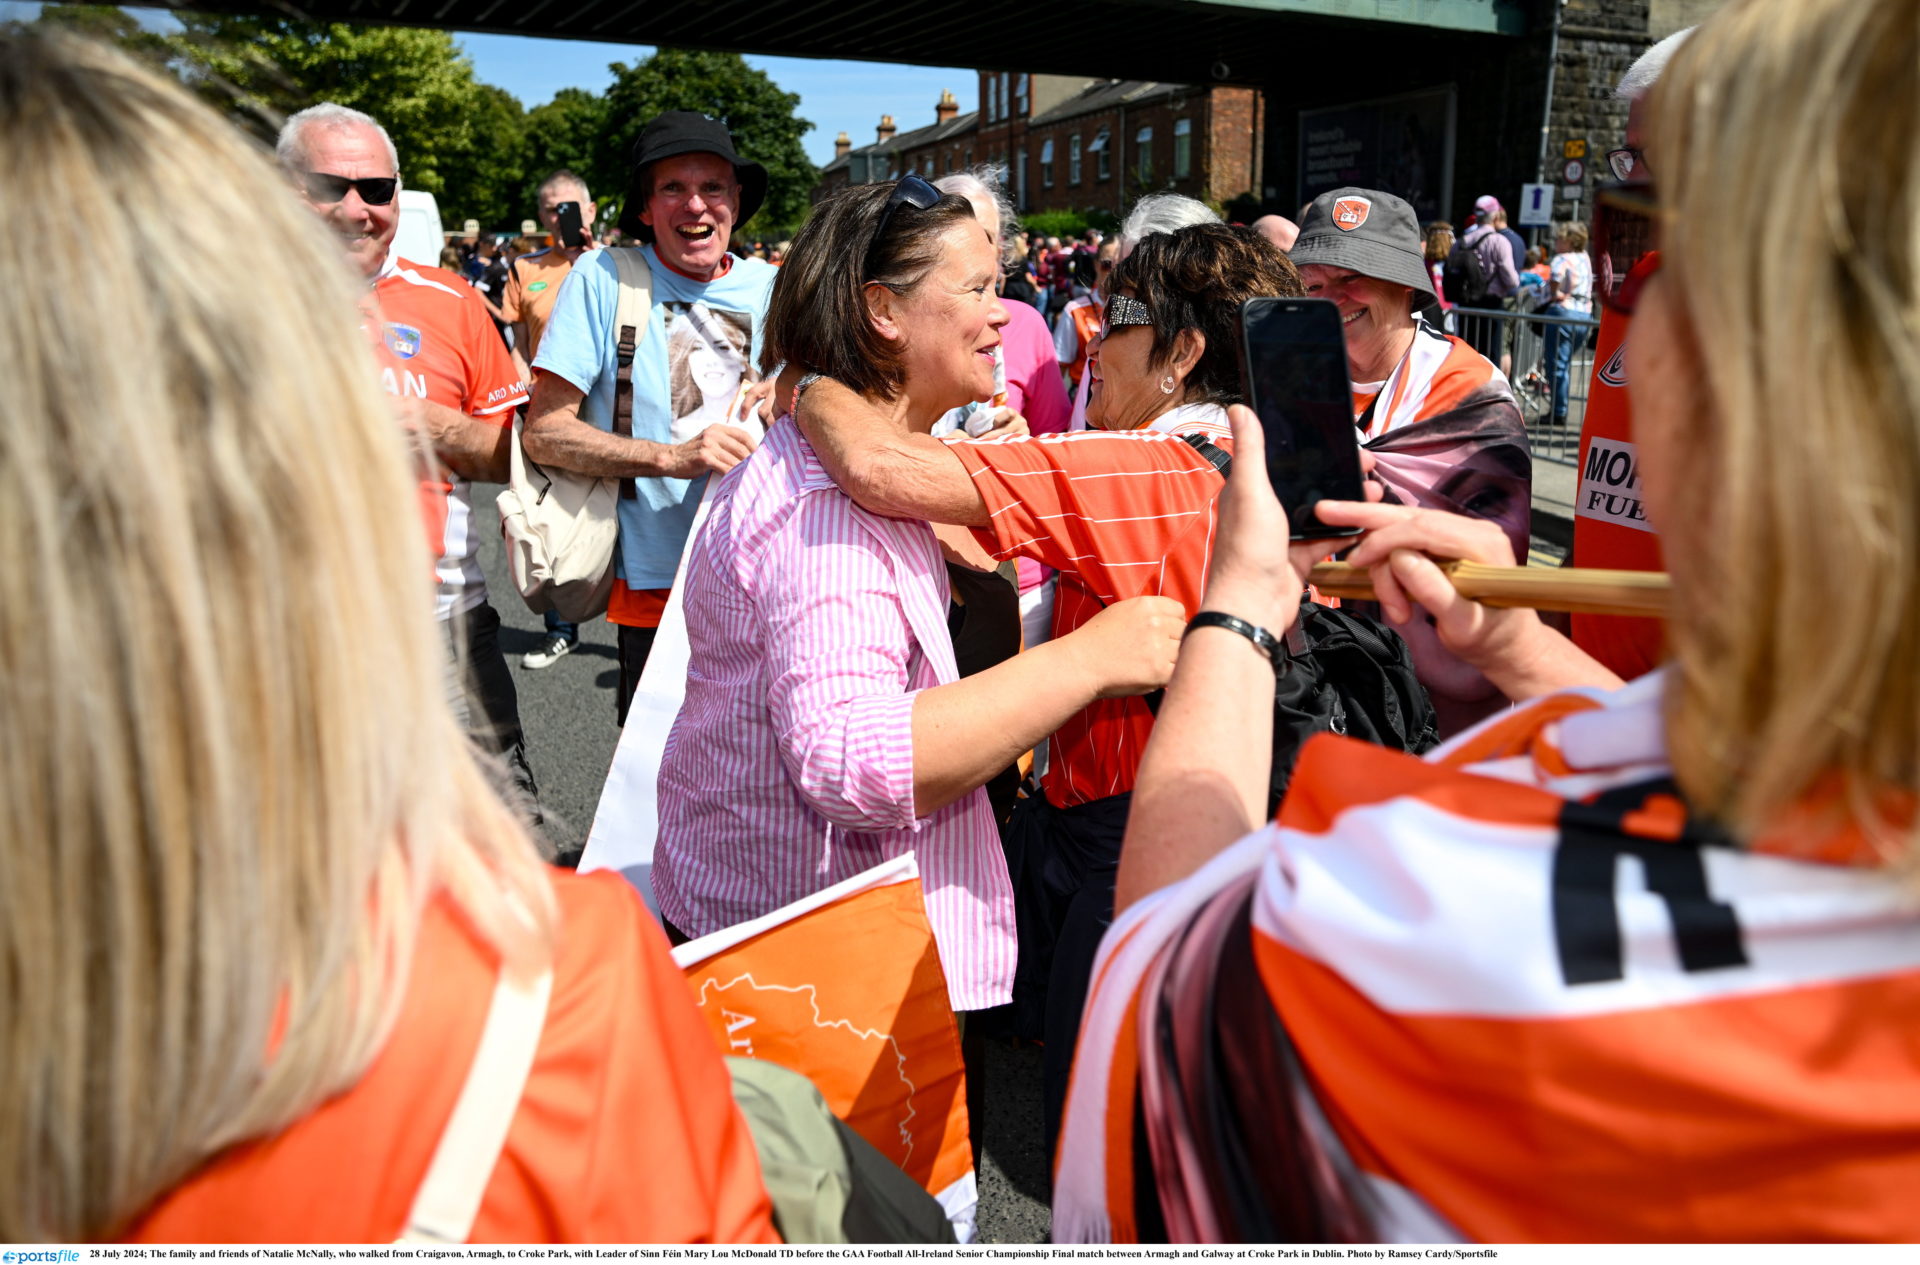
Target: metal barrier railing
x,y
1519,342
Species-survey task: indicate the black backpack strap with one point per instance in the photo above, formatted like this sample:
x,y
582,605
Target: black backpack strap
x,y
623,395
1218,457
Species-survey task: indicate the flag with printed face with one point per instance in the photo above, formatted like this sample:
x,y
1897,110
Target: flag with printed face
x,y
845,987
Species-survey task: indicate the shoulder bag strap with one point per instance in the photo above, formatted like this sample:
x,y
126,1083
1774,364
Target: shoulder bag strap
x,y
631,317
449,1197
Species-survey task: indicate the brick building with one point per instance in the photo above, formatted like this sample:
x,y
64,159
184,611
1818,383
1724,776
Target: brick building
x,y
1071,143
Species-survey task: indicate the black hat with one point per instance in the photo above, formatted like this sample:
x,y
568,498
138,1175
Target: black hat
x,y
687,132
1373,233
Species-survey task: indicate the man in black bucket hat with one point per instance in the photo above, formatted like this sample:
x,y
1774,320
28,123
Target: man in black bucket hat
x,y
691,373
682,153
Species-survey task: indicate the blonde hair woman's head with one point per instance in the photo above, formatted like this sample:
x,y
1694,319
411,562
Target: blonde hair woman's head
x,y
223,814
1797,639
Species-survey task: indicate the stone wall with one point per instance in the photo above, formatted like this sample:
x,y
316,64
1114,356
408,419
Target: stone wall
x,y
1599,40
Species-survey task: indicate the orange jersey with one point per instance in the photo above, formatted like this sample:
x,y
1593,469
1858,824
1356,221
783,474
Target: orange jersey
x,y
1536,1000
533,283
1119,516
1610,527
626,1132
437,343
1074,332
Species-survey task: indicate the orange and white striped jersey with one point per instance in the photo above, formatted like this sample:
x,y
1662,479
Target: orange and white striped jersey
x,y
1119,516
1532,1000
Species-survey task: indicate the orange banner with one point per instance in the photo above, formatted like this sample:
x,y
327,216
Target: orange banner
x,y
845,988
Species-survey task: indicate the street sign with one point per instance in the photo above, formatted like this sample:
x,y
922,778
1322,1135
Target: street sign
x,y
1575,172
1574,192
1536,205
1574,149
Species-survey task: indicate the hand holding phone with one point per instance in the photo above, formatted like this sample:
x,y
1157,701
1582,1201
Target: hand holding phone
x,y
1293,370
568,234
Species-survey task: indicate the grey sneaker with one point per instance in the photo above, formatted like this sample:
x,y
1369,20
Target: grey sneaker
x,y
548,654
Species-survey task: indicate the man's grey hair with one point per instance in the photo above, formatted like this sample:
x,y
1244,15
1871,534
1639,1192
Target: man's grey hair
x,y
564,178
985,184
1162,213
1644,73
291,148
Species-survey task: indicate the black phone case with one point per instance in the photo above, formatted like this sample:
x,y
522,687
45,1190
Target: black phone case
x,y
1316,530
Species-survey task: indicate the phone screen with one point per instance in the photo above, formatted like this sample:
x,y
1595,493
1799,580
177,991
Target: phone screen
x,y
1293,367
568,234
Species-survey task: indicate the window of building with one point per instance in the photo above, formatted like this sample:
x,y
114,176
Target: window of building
x,y
1182,148
993,98
1020,96
1006,99
1046,163
1073,159
1143,146
1102,147
1020,178
968,160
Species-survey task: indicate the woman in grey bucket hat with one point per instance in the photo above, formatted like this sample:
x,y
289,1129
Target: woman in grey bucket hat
x,y
1362,249
1438,417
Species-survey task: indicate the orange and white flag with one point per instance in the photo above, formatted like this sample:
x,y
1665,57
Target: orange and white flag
x,y
845,987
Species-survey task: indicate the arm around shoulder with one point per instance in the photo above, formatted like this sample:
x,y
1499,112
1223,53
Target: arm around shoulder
x,y
884,467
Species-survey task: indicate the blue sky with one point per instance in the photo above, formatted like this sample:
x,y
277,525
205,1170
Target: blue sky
x,y
835,96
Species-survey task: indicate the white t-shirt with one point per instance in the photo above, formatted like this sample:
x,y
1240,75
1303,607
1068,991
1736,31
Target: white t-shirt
x,y
1573,273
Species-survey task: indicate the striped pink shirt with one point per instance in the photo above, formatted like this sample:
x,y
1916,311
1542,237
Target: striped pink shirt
x,y
812,624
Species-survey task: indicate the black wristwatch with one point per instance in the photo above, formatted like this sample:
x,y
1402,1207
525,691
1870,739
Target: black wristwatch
x,y
1269,644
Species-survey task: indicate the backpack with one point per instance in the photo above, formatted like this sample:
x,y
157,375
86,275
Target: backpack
x,y
1346,674
1464,276
559,527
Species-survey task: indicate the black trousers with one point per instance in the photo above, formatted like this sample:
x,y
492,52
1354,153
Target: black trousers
x,y
1063,862
635,645
492,707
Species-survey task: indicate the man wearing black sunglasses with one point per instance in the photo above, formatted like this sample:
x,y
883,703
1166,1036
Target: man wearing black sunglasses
x,y
452,379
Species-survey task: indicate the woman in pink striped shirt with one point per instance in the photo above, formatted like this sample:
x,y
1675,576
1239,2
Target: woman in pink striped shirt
x,y
824,729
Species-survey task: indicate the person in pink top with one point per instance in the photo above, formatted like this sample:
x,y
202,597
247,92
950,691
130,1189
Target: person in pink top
x,y
824,729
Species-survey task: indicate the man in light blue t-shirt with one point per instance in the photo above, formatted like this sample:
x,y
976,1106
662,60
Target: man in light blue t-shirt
x,y
688,193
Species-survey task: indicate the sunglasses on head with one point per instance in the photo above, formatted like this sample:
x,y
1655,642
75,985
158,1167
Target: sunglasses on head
x,y
1122,312
374,190
1625,246
911,191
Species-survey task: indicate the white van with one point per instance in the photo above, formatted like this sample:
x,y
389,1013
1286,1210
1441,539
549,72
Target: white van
x,y
419,238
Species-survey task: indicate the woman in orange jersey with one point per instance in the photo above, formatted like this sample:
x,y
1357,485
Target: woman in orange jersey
x,y
1634,962
260,898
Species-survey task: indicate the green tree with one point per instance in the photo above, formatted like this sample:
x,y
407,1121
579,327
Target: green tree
x,y
108,23
565,132
443,121
483,178
761,117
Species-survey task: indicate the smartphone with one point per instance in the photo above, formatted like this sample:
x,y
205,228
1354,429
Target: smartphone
x,y
1293,369
568,234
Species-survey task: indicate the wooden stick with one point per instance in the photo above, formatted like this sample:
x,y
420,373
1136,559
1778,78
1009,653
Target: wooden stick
x,y
1582,590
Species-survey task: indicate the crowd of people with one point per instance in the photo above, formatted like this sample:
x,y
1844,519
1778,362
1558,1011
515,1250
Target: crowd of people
x,y
979,578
